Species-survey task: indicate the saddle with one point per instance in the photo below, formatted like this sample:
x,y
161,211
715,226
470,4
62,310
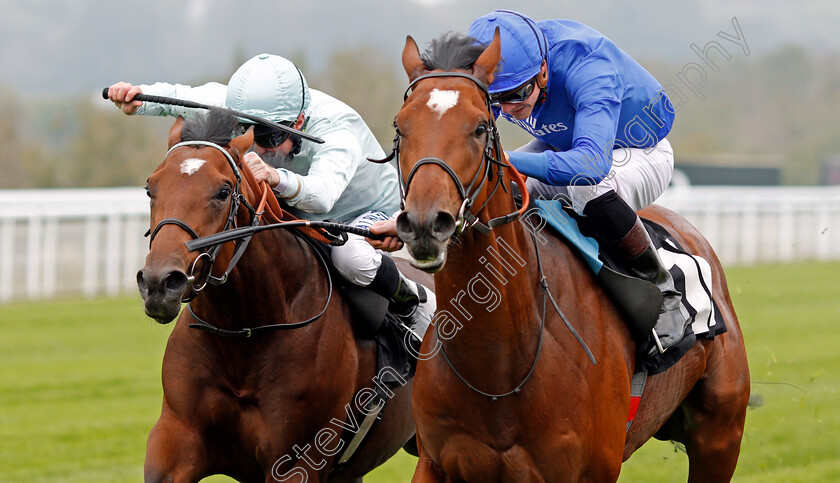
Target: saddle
x,y
638,300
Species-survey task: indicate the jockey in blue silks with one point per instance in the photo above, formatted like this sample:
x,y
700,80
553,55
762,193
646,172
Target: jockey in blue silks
x,y
599,120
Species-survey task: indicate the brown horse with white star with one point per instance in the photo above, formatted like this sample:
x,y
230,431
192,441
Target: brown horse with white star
x,y
506,392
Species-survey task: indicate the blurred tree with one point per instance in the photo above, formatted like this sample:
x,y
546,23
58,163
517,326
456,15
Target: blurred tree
x,y
364,78
782,103
11,163
111,149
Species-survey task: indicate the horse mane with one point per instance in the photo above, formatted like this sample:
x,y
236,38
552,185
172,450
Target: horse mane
x,y
452,51
217,126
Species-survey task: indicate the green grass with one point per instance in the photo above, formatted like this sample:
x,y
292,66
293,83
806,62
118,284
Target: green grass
x,y
80,386
790,315
79,391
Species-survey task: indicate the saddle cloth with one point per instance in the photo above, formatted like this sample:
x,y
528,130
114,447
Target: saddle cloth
x,y
634,297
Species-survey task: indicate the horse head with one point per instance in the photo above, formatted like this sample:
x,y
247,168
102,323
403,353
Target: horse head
x,y
447,139
196,191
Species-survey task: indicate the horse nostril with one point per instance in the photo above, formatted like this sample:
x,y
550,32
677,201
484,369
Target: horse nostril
x,y
407,226
141,281
175,282
443,226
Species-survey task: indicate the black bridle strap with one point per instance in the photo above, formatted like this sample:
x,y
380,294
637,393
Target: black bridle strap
x,y
475,80
170,221
465,193
236,199
236,233
249,331
492,144
239,250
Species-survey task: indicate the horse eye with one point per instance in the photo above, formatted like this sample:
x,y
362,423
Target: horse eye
x,y
148,193
223,194
481,130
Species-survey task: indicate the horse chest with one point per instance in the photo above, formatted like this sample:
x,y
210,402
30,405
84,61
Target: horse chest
x,y
534,435
465,458
553,457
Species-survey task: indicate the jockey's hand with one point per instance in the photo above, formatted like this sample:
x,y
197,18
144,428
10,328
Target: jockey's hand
x,y
261,170
122,94
507,157
392,242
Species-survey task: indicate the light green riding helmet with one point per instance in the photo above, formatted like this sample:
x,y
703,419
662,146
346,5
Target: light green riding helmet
x,y
268,86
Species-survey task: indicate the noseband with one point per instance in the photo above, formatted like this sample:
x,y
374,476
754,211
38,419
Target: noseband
x,y
199,281
492,145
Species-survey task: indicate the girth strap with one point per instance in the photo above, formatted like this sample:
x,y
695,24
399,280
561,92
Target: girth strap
x,y
637,388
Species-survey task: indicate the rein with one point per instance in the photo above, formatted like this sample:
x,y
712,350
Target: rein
x,y
249,331
210,254
546,296
492,145
267,206
466,219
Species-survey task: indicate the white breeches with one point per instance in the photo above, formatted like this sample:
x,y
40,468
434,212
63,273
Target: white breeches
x,y
357,260
638,176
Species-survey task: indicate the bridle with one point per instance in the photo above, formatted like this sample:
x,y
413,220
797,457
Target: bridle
x,y
492,150
211,250
466,219
208,255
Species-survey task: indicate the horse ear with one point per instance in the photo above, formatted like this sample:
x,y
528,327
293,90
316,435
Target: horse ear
x,y
243,143
411,60
175,131
486,63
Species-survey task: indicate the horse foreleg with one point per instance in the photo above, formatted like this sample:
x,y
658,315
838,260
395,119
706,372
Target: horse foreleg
x,y
427,471
174,453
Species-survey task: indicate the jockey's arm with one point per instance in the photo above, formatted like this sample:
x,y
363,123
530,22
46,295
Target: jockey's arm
x,y
591,87
333,166
211,93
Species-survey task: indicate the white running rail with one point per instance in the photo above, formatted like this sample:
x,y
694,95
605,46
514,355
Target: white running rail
x,y
89,242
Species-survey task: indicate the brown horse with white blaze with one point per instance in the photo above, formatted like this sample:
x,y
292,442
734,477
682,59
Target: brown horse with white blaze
x,y
505,392
257,405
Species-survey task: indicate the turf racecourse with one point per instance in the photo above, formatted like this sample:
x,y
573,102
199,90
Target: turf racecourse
x,y
80,387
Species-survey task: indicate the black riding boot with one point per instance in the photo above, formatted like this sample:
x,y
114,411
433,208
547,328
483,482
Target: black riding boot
x,y
623,230
411,302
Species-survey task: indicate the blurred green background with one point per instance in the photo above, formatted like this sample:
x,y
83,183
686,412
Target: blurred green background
x,y
80,386
771,101
80,379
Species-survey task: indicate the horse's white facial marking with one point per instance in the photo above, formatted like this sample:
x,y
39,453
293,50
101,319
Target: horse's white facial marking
x,y
442,101
190,166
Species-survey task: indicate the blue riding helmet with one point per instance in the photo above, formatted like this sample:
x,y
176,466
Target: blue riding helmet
x,y
523,46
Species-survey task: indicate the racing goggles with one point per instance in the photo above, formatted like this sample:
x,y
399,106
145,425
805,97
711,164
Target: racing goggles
x,y
514,96
269,138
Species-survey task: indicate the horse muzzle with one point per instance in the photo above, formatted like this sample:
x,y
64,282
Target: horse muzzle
x,y
426,238
162,292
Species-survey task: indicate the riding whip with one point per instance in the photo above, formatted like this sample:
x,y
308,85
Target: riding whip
x,y
197,105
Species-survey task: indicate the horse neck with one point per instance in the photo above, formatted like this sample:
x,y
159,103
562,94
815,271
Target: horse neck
x,y
491,284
